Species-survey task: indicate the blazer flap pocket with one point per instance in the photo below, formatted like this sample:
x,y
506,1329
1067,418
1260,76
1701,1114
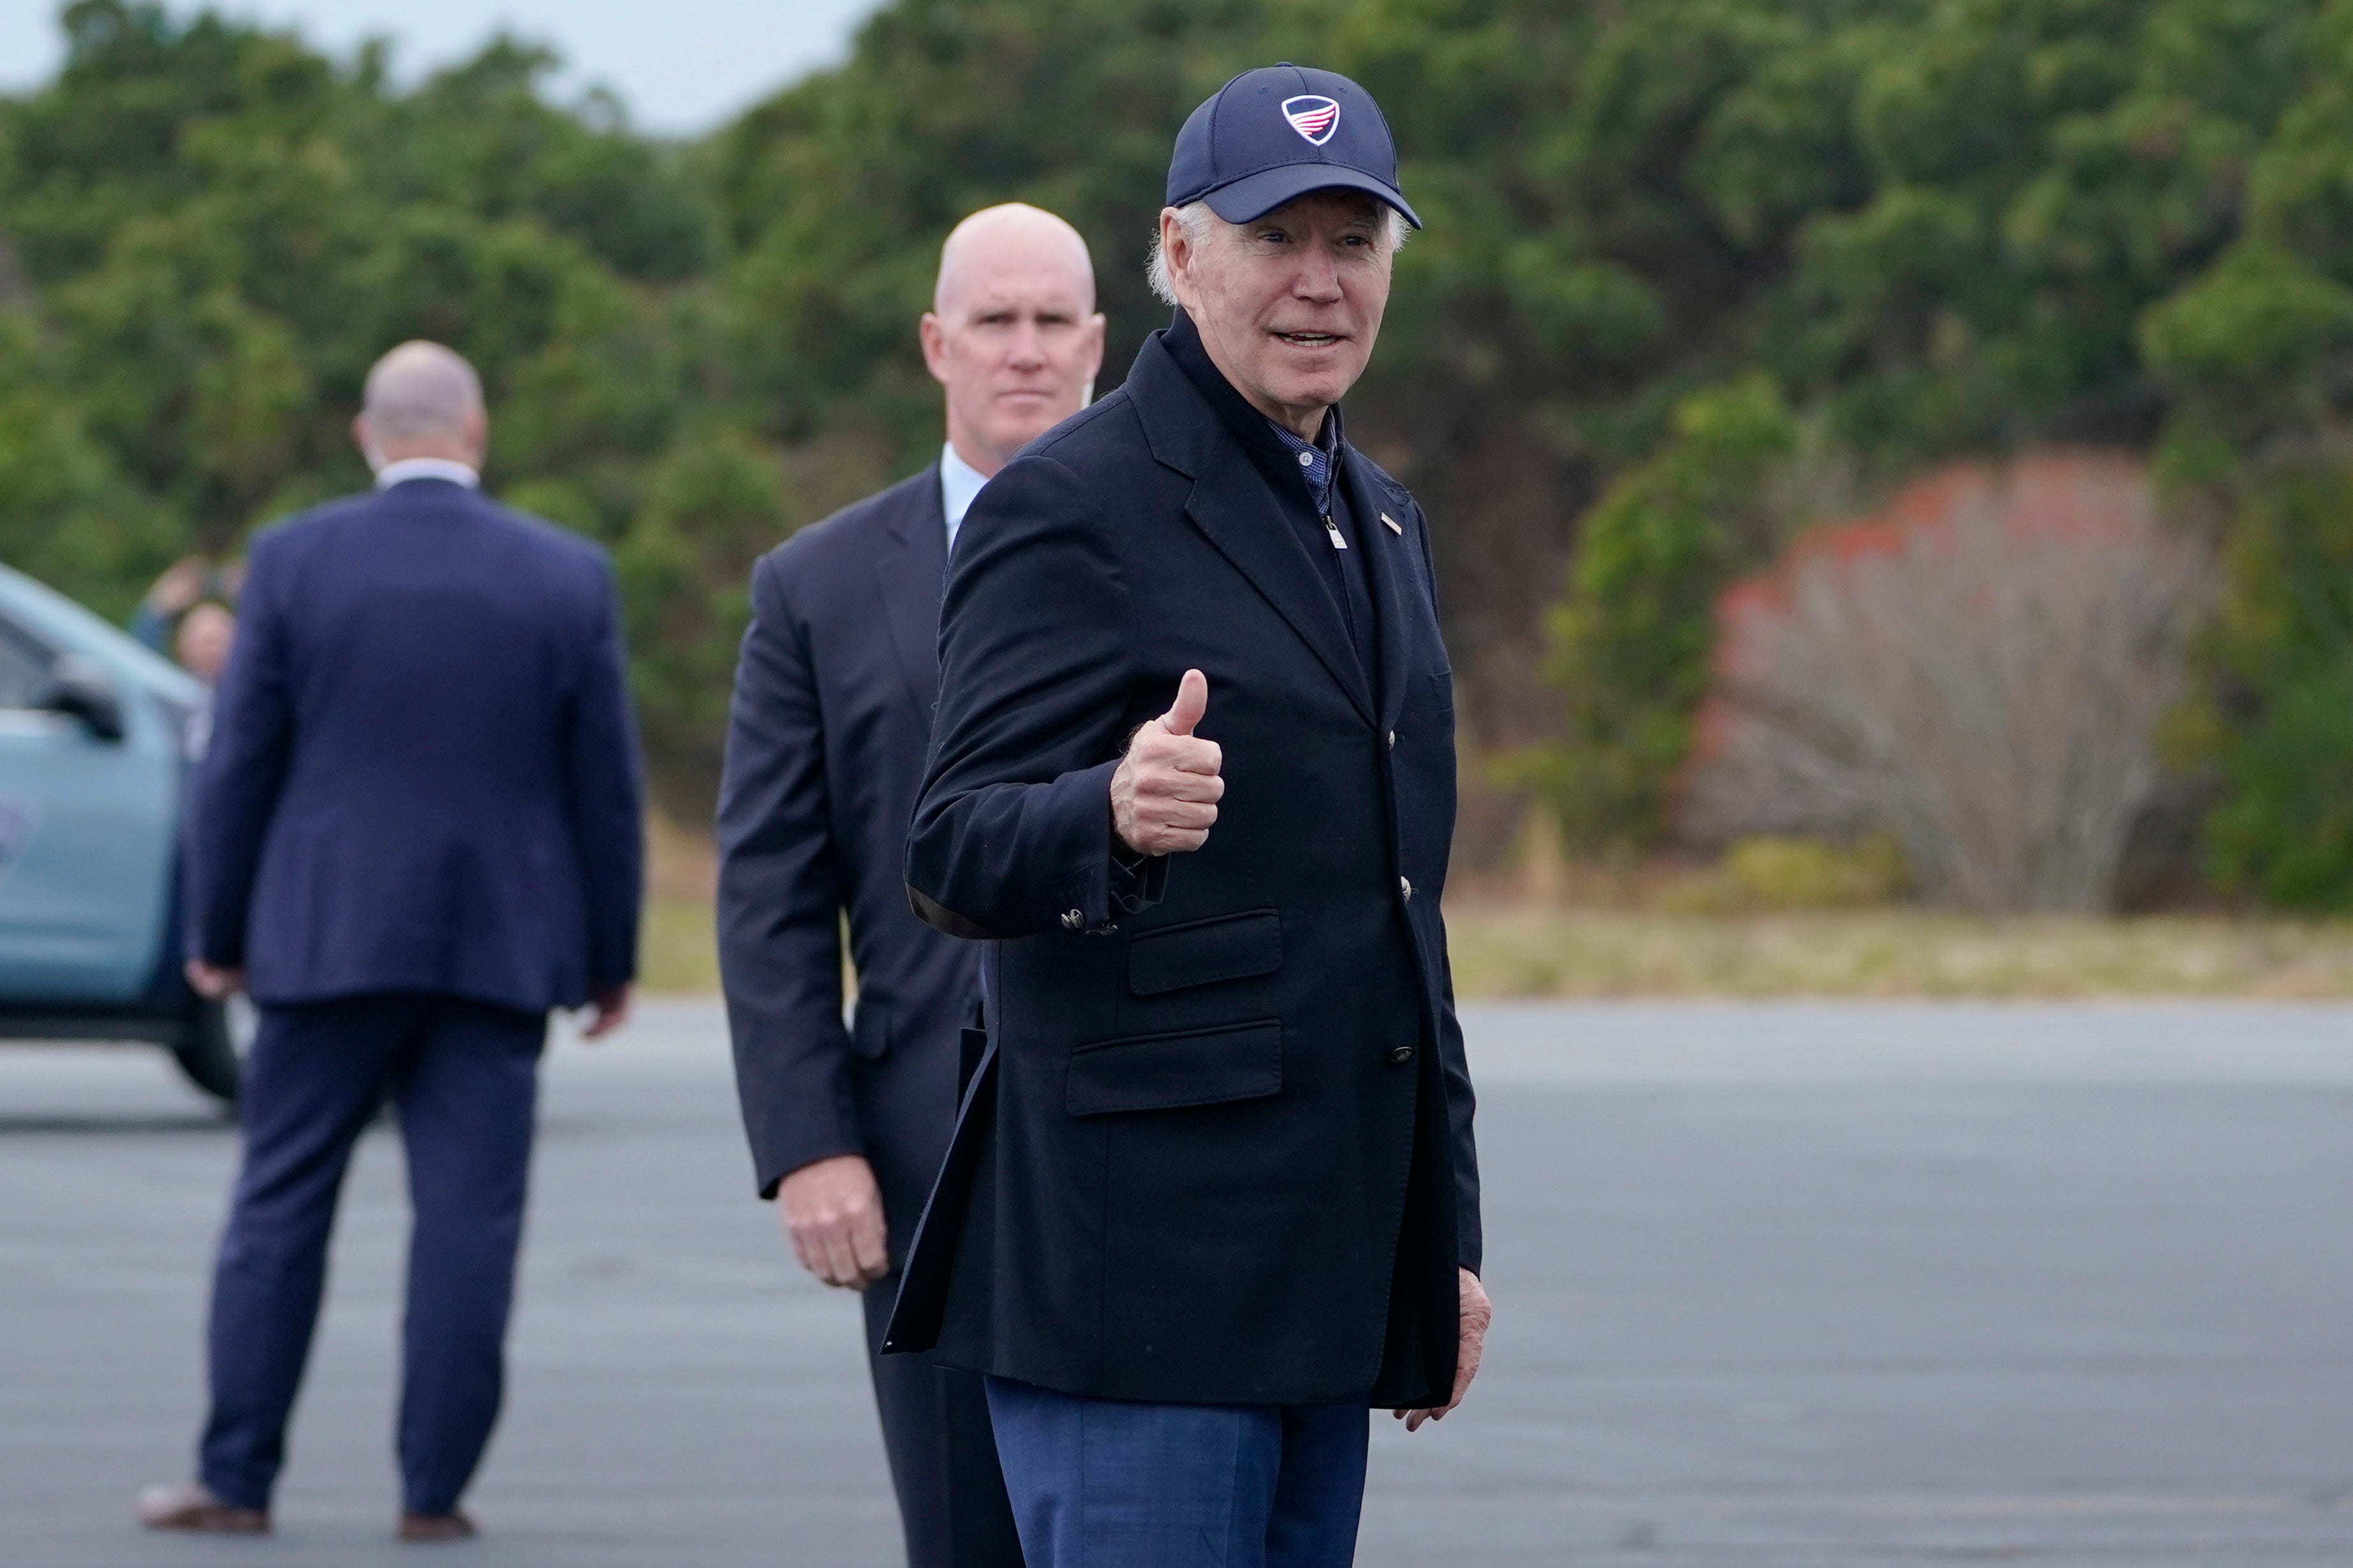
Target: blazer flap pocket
x,y
1162,1072
1231,947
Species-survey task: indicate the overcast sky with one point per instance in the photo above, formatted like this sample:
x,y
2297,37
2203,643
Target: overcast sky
x,y
681,66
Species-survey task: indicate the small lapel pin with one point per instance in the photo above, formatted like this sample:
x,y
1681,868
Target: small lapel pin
x,y
1394,526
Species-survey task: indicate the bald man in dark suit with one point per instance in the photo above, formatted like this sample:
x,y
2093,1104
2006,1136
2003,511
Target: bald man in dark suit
x,y
416,829
831,720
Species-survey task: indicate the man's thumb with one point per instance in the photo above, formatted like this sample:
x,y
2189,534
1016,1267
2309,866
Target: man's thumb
x,y
1192,702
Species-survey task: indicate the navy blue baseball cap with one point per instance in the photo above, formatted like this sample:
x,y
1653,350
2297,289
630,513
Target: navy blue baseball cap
x,y
1280,131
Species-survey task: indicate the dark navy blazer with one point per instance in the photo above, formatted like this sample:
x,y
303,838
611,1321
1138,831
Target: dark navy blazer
x,y
422,774
831,717
1221,1152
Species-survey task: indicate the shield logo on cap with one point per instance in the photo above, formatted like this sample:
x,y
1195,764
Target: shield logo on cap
x,y
1312,117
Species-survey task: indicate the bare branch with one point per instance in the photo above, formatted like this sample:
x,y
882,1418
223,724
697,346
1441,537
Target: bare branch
x,y
1978,669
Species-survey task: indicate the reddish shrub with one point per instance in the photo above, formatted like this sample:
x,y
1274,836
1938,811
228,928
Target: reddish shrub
x,y
1976,669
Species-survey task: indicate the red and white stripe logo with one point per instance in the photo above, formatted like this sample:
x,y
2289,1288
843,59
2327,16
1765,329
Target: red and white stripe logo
x,y
1312,117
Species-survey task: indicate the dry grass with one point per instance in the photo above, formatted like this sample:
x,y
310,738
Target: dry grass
x,y
1890,952
1675,929
1526,950
677,948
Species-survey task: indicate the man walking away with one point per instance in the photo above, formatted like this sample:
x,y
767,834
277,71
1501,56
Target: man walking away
x,y
1214,1194
416,829
832,714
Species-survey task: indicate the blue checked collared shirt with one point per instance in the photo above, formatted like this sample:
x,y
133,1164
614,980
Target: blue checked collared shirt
x,y
1315,461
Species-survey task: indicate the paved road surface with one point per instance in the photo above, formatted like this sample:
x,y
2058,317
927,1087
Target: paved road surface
x,y
1819,1285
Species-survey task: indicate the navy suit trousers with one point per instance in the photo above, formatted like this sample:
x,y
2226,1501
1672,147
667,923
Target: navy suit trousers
x,y
463,1076
1103,1481
935,1426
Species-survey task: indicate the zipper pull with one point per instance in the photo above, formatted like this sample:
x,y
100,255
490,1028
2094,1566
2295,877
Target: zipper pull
x,y
1333,530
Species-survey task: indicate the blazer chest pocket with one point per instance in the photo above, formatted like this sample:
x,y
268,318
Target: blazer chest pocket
x,y
1167,1072
1231,947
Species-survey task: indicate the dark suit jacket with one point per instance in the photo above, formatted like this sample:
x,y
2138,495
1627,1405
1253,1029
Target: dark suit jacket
x,y
1222,1151
422,774
825,750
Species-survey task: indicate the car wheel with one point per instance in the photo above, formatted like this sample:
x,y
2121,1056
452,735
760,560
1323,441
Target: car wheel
x,y
211,1049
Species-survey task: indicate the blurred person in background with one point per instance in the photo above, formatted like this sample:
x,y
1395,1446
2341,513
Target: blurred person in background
x,y
207,632
187,613
1213,1193
831,718
418,829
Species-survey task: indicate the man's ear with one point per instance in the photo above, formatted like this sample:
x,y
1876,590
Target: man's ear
x,y
933,334
1176,255
370,453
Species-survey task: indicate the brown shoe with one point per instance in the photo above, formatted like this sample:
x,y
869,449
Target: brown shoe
x,y
436,1527
190,1507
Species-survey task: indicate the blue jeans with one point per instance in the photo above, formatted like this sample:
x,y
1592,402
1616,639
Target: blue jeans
x,y
1107,1483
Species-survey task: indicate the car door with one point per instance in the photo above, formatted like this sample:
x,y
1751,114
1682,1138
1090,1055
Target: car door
x,y
87,827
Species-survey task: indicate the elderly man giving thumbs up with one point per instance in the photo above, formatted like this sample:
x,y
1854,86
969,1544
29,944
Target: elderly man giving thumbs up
x,y
1213,1193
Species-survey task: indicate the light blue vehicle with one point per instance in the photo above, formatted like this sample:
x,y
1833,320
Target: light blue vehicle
x,y
96,736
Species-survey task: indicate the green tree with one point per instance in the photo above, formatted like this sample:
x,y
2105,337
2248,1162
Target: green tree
x,y
2257,355
2108,221
2279,653
1662,239
219,229
226,228
713,506
68,516
1632,639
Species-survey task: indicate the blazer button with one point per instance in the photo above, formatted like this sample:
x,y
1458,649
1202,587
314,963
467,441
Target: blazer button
x,y
1400,1055
1406,887
1075,921
1392,739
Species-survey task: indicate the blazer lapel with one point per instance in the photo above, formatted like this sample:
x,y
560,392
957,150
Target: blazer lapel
x,y
1230,504
1390,576
913,576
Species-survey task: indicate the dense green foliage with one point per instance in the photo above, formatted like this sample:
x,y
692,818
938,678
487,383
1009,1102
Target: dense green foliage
x,y
2112,222
2279,721
1632,640
1694,270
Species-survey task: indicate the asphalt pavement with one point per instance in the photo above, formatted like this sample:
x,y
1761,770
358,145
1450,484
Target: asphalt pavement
x,y
1776,1285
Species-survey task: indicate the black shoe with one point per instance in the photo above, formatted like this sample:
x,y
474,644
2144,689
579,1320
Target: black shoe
x,y
190,1507
451,1526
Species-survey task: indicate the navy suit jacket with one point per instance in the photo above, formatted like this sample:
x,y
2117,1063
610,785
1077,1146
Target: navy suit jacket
x,y
1221,1152
831,717
422,774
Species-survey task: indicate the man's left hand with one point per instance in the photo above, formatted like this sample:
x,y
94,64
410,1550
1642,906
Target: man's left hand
x,y
211,981
1477,1311
611,1004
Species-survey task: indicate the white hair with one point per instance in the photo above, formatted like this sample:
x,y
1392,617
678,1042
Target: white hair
x,y
1194,218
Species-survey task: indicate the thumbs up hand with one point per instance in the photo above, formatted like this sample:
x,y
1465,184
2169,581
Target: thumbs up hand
x,y
1163,795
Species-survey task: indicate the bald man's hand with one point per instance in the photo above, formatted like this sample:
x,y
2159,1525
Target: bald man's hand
x,y
832,1212
1165,793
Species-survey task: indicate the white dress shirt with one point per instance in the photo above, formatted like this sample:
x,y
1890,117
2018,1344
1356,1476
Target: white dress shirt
x,y
457,473
959,482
